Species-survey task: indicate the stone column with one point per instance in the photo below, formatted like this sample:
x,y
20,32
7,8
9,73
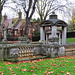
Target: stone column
x,y
4,35
0,32
46,38
41,31
64,35
54,31
1,53
59,38
42,34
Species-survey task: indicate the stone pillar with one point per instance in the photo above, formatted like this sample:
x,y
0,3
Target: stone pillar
x,y
42,34
41,30
4,35
5,54
63,35
0,35
1,53
46,39
59,38
54,30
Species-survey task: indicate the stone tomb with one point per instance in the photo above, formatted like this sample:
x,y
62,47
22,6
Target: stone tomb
x,y
53,23
52,46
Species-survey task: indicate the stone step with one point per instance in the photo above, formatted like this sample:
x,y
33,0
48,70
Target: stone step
x,y
70,50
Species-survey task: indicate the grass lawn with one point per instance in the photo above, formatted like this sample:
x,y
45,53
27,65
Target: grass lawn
x,y
71,40
53,66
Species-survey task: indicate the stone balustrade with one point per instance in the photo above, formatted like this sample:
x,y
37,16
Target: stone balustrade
x,y
25,50
17,50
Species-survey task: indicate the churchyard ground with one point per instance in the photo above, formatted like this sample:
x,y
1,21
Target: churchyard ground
x,y
49,66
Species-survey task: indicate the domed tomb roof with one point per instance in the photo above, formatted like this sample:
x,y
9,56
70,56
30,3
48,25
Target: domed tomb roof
x,y
53,21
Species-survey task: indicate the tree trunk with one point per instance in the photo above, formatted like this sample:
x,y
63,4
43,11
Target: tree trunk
x,y
0,18
27,26
0,23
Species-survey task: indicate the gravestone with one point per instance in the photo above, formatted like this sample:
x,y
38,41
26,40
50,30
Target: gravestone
x,y
53,46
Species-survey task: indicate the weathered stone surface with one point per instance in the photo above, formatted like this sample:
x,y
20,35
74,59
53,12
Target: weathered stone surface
x,y
14,52
48,52
37,51
54,52
61,51
43,51
1,54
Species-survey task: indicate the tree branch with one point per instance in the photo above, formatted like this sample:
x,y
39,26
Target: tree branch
x,y
33,8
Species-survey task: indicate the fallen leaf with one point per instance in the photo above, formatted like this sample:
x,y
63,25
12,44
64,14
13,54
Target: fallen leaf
x,y
54,64
23,70
16,67
24,65
12,72
34,61
33,74
61,71
32,70
67,73
50,69
33,67
50,72
2,73
45,73
67,61
10,68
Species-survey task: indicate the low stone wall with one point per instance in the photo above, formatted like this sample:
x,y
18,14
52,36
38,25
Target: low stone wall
x,y
20,50
70,49
24,50
4,52
50,50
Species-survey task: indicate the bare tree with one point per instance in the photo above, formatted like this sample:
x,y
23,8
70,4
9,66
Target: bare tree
x,y
29,9
2,2
46,7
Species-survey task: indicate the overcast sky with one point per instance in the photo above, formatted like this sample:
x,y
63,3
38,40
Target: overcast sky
x,y
12,14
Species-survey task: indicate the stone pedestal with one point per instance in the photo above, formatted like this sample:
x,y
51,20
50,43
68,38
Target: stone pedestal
x,y
4,35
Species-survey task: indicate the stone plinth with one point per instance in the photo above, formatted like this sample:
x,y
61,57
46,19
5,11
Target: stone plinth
x,y
50,50
4,35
